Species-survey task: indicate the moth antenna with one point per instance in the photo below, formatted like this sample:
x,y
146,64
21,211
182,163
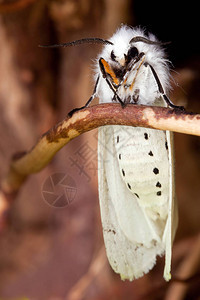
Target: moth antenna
x,y
79,42
147,41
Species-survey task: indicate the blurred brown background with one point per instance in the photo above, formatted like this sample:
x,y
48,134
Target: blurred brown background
x,y
58,253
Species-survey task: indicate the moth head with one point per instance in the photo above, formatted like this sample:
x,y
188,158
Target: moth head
x,y
132,53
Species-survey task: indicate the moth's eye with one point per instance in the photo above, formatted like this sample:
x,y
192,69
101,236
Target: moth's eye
x,y
112,55
132,53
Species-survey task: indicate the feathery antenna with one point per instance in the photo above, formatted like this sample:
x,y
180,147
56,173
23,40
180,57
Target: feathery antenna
x,y
79,42
147,41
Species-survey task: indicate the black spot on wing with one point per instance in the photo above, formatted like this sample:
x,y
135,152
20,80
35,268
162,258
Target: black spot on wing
x,y
158,193
156,171
129,186
123,172
112,230
146,136
150,153
166,145
158,184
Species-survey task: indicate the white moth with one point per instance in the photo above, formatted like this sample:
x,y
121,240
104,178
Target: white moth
x,y
135,171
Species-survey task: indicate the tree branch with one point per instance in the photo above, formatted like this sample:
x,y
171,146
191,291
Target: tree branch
x,y
85,120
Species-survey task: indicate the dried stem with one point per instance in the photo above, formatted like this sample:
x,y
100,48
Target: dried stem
x,y
87,119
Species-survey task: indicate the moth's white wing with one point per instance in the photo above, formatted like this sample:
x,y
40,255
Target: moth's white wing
x,y
133,237
172,220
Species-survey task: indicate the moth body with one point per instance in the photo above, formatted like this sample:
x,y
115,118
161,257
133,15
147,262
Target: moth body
x,y
135,172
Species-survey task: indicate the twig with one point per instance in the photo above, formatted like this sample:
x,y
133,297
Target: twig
x,y
87,119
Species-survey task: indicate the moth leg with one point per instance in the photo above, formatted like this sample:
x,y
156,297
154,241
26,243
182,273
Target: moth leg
x,y
107,72
160,88
88,102
115,96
